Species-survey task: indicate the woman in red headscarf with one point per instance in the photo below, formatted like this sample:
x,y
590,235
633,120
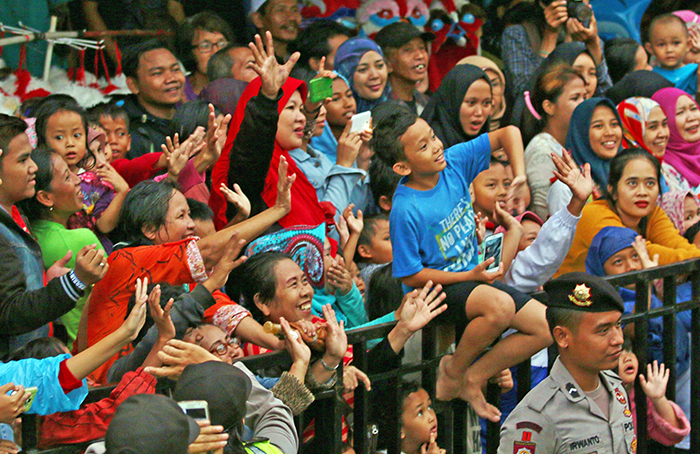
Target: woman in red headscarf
x,y
269,121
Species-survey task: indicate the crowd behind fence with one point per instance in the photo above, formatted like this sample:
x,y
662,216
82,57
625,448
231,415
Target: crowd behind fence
x,y
454,416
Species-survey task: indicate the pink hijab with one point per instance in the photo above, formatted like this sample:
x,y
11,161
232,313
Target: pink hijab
x,y
682,155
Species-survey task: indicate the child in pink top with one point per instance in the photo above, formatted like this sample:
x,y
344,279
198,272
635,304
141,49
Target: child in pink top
x,y
666,422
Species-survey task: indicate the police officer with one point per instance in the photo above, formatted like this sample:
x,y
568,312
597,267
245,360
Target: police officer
x,y
581,407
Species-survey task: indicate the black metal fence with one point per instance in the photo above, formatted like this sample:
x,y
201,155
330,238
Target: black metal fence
x,y
454,416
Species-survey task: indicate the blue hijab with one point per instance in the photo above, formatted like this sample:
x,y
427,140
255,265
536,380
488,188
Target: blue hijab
x,y
347,57
608,242
578,140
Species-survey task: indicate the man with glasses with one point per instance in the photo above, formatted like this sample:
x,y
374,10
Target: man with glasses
x,y
282,18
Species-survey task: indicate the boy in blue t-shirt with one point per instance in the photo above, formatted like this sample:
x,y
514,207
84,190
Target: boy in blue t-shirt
x,y
433,239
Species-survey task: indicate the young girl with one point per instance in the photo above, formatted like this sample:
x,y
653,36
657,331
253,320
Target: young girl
x,y
633,188
594,137
61,125
557,93
461,107
682,208
683,149
666,422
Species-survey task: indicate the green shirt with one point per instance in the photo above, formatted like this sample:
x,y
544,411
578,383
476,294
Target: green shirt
x,y
55,240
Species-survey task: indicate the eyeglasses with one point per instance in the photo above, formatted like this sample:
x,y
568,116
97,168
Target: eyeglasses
x,y
206,46
221,348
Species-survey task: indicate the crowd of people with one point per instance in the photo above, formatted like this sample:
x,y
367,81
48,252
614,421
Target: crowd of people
x,y
238,202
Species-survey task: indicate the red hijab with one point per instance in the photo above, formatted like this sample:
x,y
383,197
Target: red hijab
x,y
306,209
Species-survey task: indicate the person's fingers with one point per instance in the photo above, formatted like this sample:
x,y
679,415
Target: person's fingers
x,y
65,259
361,376
642,380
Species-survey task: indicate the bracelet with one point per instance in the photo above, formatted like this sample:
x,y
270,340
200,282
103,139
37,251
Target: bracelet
x,y
75,281
329,368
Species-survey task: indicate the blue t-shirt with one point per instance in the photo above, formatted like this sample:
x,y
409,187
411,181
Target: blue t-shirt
x,y
435,228
684,78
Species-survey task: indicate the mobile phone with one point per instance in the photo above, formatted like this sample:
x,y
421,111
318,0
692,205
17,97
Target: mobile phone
x,y
320,89
492,248
359,121
195,409
32,391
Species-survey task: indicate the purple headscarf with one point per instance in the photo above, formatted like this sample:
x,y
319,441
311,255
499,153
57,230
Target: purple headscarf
x,y
347,57
683,156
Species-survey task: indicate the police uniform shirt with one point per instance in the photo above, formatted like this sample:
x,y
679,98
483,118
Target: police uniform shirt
x,y
557,417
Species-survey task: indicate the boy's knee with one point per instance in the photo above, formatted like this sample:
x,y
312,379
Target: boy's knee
x,y
500,308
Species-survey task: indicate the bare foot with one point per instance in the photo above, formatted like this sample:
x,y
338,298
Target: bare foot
x,y
447,387
472,393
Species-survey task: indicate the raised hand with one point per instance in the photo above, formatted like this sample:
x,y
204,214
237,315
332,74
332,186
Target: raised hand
x,y
295,345
284,185
555,14
230,260
580,183
336,339
349,145
518,185
90,265
343,231
504,380
355,224
503,217
210,439
176,355
640,246
431,447
419,308
338,278
272,74
654,384
214,140
313,107
161,315
108,173
238,199
137,317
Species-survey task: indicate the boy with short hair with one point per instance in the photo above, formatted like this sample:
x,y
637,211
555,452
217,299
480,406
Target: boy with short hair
x,y
669,41
433,237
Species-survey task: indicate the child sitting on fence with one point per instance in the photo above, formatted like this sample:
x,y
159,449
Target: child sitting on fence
x,y
433,238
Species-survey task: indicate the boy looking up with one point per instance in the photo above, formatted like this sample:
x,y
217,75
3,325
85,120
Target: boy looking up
x,y
669,42
433,238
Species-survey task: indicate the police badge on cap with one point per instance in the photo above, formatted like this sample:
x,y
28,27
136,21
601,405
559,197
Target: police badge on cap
x,y
583,292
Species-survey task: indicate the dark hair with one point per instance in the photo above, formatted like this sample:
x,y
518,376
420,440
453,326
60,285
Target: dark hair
x,y
43,158
559,316
26,109
620,55
312,41
369,228
132,56
167,291
664,19
43,347
527,13
200,210
10,127
257,277
107,109
220,64
52,105
549,86
390,410
692,232
382,180
388,129
188,116
145,206
207,21
384,292
617,167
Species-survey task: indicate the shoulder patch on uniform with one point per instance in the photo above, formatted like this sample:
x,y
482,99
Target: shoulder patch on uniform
x,y
528,425
572,390
540,395
524,447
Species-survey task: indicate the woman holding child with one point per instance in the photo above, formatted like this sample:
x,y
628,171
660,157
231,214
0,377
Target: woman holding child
x,y
632,193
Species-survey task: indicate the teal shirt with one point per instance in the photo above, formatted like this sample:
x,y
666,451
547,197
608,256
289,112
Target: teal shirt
x,y
349,308
55,240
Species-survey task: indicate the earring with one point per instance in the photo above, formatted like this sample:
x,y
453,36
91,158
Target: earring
x,y
51,208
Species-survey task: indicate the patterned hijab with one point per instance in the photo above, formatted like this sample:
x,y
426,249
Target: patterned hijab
x,y
673,203
683,156
578,140
347,58
634,113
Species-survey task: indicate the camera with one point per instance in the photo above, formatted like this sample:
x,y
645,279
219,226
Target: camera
x,y
576,9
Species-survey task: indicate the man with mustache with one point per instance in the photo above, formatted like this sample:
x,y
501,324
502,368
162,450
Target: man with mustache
x,y
282,18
